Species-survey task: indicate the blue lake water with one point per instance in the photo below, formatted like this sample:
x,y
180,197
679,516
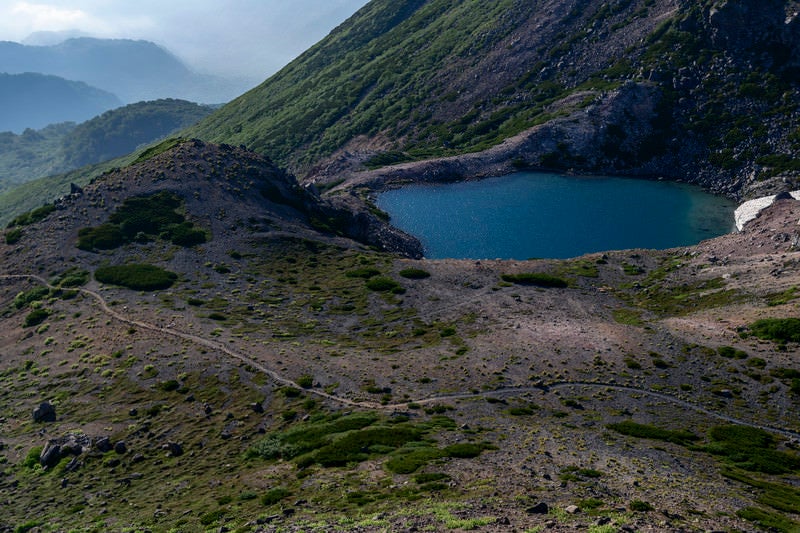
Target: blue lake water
x,y
542,215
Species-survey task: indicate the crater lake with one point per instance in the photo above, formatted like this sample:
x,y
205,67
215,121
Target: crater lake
x,y
544,215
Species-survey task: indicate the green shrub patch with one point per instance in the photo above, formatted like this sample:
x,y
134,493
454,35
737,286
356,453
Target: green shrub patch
x,y
644,431
781,330
142,219
332,441
137,277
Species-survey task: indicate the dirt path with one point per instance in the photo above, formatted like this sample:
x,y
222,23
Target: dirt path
x,y
501,392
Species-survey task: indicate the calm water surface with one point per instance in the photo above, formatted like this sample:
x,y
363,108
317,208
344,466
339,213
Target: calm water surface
x,y
529,215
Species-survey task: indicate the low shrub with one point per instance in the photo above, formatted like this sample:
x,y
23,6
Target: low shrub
x,y
780,330
273,496
36,317
414,273
363,273
639,506
644,431
383,284
136,276
33,295
102,237
537,279
731,352
13,236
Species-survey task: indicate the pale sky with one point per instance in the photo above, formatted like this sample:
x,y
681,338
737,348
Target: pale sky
x,y
245,38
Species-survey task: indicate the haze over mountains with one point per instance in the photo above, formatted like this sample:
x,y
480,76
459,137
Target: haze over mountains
x,y
132,70
36,100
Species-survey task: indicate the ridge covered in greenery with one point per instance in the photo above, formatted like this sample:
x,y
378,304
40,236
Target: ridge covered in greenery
x,y
414,79
62,147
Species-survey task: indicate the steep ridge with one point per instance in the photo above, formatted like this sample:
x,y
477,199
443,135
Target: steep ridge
x,y
698,91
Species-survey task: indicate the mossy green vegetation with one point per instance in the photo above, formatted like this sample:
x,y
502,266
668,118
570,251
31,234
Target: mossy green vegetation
x,y
160,148
141,219
138,277
32,217
338,440
746,454
645,431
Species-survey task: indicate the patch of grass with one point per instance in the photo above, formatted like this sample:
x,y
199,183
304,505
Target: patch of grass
x,y
629,317
537,279
645,431
751,449
35,294
72,277
136,276
273,496
583,268
409,460
384,284
768,520
783,297
363,273
158,149
782,497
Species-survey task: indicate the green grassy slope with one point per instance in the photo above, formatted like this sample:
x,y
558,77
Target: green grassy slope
x,y
415,79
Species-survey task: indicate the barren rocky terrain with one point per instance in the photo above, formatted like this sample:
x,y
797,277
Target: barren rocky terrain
x,y
287,378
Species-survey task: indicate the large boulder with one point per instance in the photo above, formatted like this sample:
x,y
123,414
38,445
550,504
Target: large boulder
x,y
46,412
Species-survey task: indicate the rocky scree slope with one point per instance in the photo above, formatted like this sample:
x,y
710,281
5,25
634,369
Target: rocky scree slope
x,y
698,91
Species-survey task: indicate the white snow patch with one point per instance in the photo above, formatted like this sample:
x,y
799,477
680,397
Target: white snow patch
x,y
750,209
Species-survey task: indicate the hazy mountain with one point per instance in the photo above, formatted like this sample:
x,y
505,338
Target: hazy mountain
x,y
62,147
702,91
36,100
133,70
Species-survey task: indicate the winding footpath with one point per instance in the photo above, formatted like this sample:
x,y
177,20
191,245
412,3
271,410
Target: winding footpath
x,y
500,392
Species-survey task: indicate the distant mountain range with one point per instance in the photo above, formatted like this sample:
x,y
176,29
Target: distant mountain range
x,y
132,70
62,147
36,100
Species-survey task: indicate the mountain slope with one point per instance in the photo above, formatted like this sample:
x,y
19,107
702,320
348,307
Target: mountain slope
x,y
133,70
35,101
188,346
62,147
409,80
